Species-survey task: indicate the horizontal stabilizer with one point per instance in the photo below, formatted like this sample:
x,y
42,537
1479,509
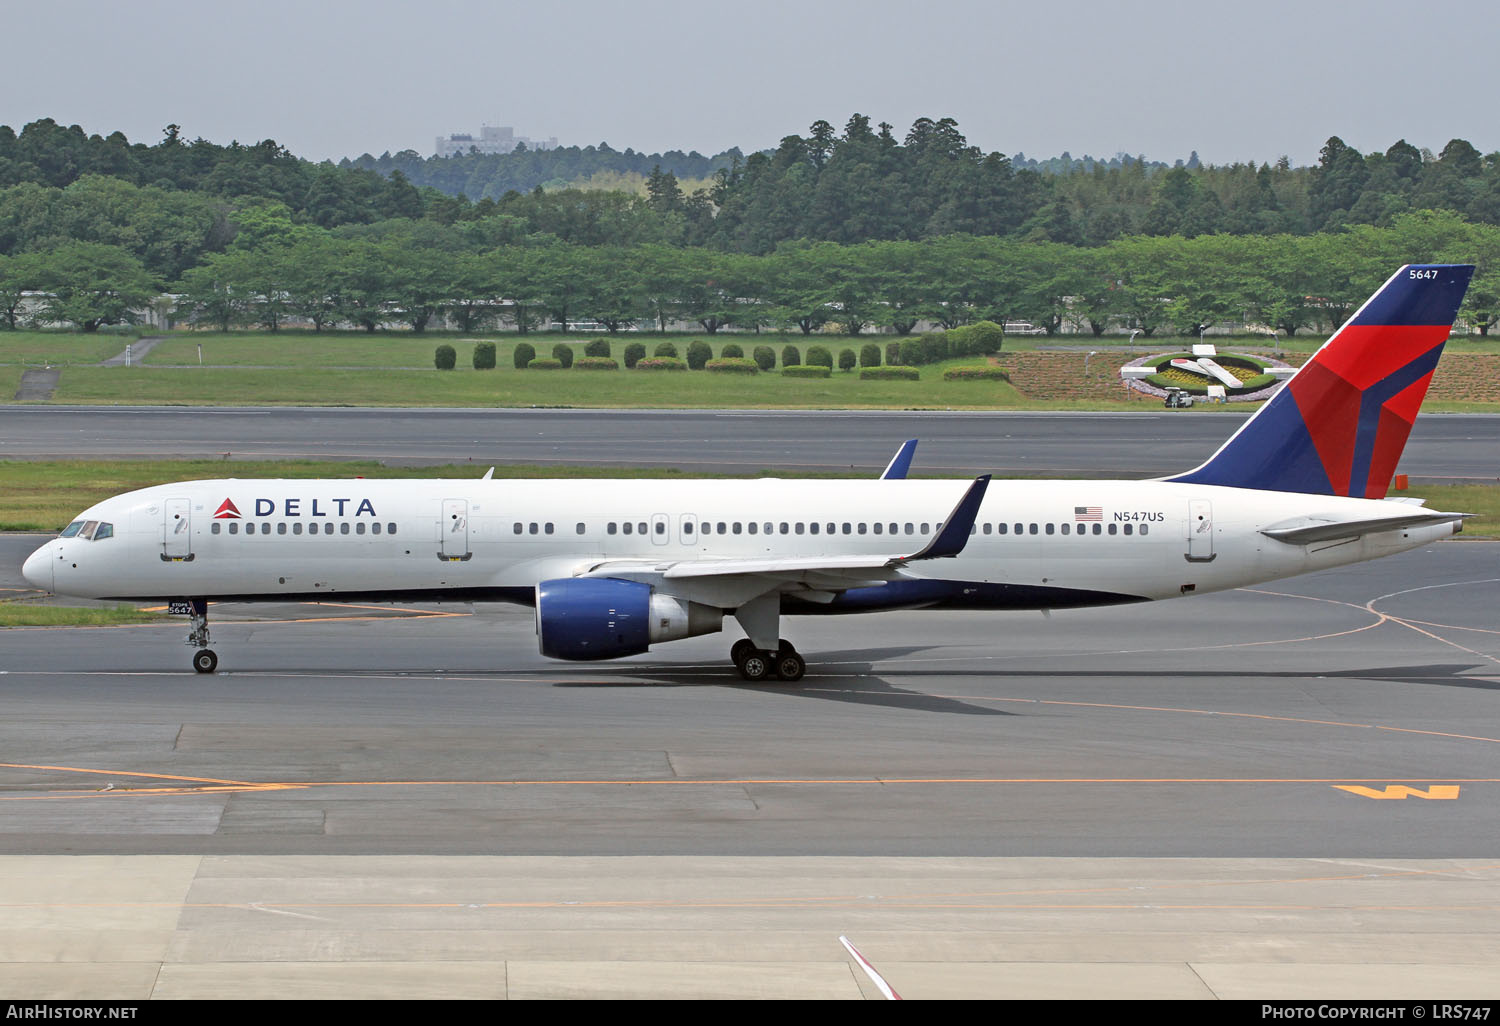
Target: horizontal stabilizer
x,y
1317,528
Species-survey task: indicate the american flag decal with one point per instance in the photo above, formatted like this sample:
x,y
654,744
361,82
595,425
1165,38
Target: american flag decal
x,y
1083,514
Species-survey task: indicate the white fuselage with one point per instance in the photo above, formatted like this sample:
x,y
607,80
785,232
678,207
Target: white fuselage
x,y
1035,544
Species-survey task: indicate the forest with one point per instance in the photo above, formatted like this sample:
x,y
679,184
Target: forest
x,y
853,227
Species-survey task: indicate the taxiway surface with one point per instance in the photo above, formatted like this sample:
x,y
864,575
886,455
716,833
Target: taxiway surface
x,y
1268,792
1288,791
1134,444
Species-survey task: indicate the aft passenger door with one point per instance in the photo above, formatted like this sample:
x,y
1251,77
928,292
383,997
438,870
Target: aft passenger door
x,y
1200,539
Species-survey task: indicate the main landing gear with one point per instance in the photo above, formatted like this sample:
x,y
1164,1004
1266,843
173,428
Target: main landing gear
x,y
754,664
204,660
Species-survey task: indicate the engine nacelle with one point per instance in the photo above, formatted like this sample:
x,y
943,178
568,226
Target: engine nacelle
x,y
605,618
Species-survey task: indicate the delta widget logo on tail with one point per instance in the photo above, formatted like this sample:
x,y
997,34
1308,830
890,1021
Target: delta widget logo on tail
x,y
227,511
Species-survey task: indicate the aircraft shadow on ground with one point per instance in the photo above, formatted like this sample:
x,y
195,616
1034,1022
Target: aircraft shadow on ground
x,y
853,679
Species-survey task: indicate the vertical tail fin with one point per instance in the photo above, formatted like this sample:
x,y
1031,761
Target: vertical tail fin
x,y
1339,425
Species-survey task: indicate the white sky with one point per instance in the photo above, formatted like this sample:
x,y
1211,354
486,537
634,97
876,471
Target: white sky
x,y
1249,80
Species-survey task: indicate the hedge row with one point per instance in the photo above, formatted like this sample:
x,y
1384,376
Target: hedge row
x,y
897,373
798,370
978,339
732,365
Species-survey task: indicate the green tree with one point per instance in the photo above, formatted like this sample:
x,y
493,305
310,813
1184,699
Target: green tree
x,y
91,285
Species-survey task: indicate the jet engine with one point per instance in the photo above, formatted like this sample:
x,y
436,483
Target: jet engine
x,y
605,618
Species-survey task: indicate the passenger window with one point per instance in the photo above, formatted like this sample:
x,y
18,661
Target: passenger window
x,y
661,528
770,528
518,528
1001,528
798,528
281,528
234,527
687,527
580,527
862,528
214,528
390,528
265,528
612,527
546,528
375,528
629,527
754,527
1129,528
723,527
1050,528
986,528
878,528
328,528
344,527
1032,529
1097,528
812,528
848,528
1066,529
736,527
250,527
640,527
531,528
785,527
924,528
1145,528
359,528
909,529
297,528
1112,528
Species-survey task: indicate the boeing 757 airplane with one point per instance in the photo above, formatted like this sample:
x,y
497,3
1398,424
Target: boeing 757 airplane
x,y
615,567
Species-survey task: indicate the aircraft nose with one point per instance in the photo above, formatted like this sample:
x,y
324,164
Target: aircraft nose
x,y
38,568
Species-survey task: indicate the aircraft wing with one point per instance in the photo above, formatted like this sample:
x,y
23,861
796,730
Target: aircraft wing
x,y
1326,527
731,582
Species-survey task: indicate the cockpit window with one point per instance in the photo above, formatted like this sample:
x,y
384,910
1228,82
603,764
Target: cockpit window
x,y
89,530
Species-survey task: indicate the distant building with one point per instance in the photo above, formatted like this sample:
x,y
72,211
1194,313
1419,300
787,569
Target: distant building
x,y
492,139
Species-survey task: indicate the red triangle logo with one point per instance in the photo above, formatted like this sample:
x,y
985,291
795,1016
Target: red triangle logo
x,y
227,511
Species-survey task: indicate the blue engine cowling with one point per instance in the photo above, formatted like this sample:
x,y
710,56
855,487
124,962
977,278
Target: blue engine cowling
x,y
593,618
605,618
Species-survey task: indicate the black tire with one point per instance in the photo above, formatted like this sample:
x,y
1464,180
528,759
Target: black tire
x,y
740,649
204,661
790,666
755,666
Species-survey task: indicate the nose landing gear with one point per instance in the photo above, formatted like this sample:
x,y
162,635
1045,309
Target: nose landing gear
x,y
204,660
